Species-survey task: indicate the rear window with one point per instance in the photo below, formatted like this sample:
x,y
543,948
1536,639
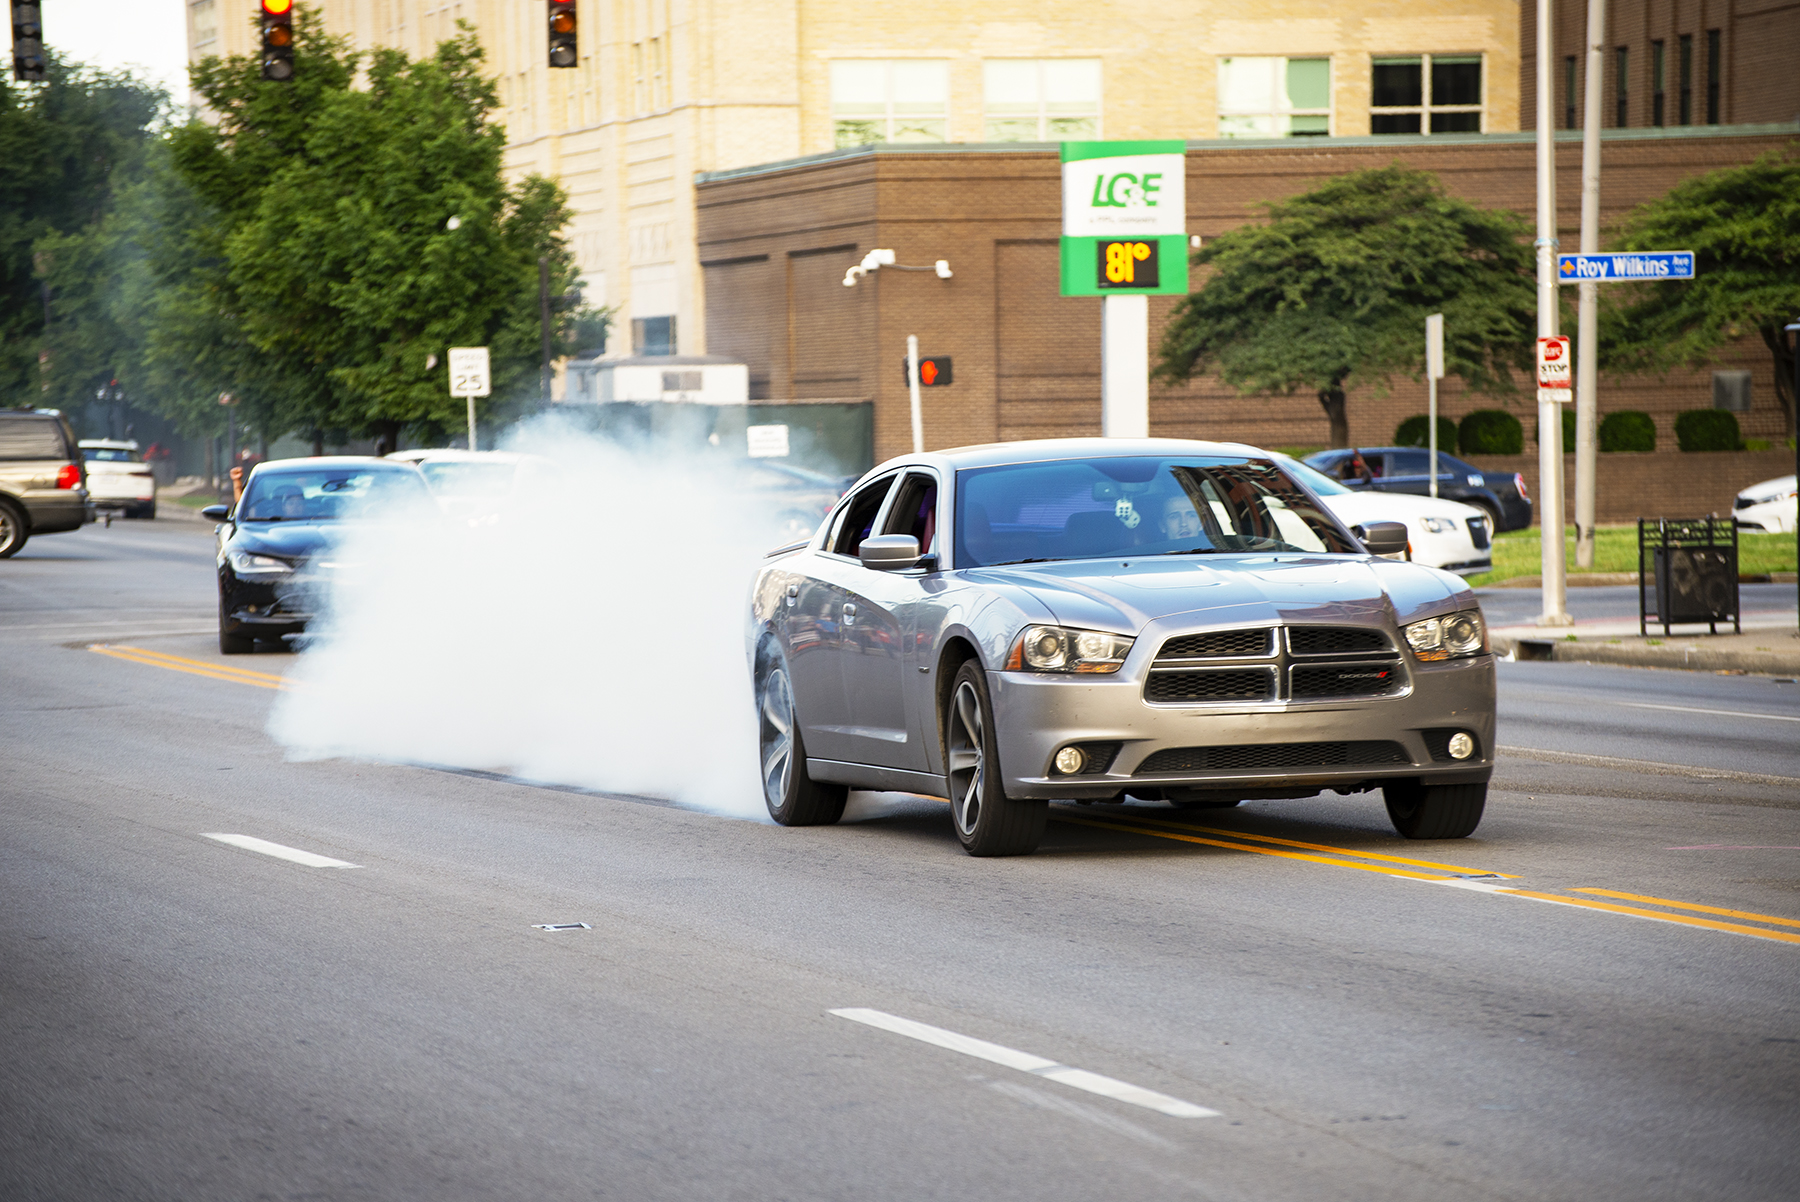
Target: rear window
x,y
110,455
31,436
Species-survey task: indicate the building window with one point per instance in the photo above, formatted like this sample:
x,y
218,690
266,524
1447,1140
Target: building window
x,y
1426,94
1658,74
1274,97
653,335
206,23
1684,96
1712,76
1569,92
877,100
650,75
1040,99
1622,87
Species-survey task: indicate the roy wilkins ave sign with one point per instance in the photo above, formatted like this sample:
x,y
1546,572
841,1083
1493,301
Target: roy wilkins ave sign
x,y
1625,265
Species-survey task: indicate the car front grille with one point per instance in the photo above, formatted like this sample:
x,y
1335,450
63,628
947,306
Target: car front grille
x,y
1259,756
1285,663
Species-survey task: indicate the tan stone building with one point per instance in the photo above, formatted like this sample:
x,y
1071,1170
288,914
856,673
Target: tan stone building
x,y
666,89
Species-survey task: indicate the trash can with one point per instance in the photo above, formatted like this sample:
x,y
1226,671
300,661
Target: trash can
x,y
1687,572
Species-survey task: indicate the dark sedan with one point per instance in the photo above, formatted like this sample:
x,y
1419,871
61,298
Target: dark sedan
x,y
272,543
1408,470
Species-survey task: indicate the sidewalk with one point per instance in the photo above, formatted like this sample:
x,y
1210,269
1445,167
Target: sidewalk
x,y
1769,644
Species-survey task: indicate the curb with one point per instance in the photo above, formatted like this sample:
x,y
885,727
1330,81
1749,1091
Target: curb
x,y
1639,655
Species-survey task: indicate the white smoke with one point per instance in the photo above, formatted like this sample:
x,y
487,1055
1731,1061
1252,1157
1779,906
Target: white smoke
x,y
591,637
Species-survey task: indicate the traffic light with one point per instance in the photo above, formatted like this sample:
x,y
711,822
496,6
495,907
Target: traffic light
x,y
278,39
562,33
28,41
934,372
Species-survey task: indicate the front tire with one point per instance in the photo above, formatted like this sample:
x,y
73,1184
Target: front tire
x,y
14,529
793,797
987,821
1421,811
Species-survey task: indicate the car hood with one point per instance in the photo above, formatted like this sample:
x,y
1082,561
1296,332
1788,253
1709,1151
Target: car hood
x,y
1125,596
1355,508
286,540
1769,490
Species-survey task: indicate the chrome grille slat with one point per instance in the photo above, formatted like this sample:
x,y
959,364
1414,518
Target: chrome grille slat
x,y
1298,663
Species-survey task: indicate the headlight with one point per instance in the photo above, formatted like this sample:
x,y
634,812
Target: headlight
x,y
246,564
1438,525
1059,649
1458,635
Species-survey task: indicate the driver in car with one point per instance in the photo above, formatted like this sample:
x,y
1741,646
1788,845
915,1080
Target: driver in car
x,y
1178,518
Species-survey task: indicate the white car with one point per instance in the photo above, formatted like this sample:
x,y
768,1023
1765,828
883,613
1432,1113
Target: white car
x,y
1770,506
1440,534
118,477
477,485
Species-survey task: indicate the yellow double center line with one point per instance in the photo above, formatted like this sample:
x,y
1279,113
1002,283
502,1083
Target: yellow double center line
x,y
1449,874
193,667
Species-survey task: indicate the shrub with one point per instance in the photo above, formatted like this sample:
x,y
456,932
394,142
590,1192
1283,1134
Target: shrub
x,y
1490,432
1415,431
1568,431
1627,430
1707,430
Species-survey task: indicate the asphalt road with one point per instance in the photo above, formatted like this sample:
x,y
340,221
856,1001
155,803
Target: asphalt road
x,y
184,1018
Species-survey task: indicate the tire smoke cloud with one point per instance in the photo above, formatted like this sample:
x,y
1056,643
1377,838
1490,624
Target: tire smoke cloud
x,y
587,630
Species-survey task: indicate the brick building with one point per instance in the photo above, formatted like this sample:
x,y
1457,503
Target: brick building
x,y
775,240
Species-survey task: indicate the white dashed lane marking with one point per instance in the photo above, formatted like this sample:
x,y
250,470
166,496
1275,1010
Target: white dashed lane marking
x,y
1025,1062
280,851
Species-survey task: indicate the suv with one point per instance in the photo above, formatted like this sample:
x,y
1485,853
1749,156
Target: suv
x,y
1407,470
43,485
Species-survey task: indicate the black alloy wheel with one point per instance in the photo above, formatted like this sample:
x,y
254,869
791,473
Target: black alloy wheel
x,y
987,821
793,797
1421,811
14,530
233,644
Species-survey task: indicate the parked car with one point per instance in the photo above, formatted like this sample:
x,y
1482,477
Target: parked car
x,y
43,485
1502,496
118,477
271,543
1771,506
477,486
1441,534
796,498
1100,618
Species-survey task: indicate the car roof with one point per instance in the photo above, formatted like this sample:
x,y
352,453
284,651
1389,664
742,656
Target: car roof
x,y
109,444
451,455
1050,450
327,463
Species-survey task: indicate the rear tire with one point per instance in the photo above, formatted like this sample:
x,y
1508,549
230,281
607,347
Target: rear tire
x,y
1435,811
987,821
793,797
14,529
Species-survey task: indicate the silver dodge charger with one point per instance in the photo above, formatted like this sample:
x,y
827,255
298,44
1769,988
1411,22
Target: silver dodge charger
x,y
1095,620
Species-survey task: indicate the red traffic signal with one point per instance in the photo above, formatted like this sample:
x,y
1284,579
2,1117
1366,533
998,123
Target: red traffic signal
x,y
278,40
934,372
562,34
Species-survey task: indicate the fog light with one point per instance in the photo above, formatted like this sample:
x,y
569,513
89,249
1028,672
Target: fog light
x,y
1069,760
1461,746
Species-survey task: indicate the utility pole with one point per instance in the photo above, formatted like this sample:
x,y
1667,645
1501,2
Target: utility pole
x,y
1550,485
1434,371
1794,331
1587,326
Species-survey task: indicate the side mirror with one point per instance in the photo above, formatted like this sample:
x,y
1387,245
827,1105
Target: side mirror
x,y
890,552
1382,538
217,513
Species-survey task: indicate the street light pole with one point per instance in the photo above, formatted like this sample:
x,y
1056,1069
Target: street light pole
x,y
1587,328
1550,485
1794,329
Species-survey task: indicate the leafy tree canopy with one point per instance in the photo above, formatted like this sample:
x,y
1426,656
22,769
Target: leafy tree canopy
x,y
1743,225
1334,290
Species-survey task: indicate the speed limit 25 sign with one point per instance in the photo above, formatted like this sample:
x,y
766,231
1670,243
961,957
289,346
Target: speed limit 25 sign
x,y
469,371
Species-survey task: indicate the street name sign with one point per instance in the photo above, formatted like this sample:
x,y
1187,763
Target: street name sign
x,y
469,371
1124,218
1626,265
1553,370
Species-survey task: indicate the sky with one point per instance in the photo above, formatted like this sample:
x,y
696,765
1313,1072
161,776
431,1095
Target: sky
x,y
150,34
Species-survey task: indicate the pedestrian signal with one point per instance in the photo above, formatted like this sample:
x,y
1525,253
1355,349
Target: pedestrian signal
x,y
562,34
934,372
28,41
278,40
1128,264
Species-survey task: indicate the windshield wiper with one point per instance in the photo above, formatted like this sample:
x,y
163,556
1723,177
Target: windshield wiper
x,y
1196,551
1007,563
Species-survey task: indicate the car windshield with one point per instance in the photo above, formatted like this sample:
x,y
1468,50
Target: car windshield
x,y
109,455
452,478
1137,506
332,494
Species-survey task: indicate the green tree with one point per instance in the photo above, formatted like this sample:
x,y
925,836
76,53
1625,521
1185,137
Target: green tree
x,y
67,147
361,231
1743,225
1334,289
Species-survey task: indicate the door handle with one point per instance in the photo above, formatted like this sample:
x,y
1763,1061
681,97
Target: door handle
x,y
793,595
849,614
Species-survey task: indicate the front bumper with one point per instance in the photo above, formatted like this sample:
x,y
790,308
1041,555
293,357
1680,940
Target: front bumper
x,y
1372,739
257,608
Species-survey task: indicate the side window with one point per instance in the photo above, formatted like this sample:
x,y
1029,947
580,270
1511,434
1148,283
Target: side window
x,y
1408,463
857,519
915,510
